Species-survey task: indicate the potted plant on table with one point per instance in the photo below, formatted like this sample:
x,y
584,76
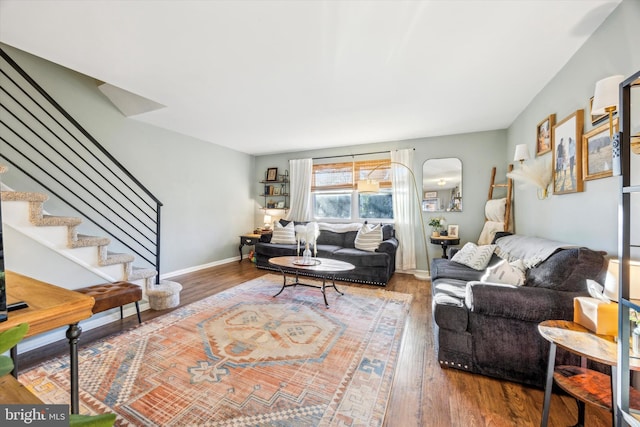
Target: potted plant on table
x,y
436,223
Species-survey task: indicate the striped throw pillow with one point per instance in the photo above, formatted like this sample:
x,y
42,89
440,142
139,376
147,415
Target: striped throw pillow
x,y
474,256
368,238
284,235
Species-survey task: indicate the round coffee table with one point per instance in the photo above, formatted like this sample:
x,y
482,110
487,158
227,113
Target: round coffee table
x,y
322,267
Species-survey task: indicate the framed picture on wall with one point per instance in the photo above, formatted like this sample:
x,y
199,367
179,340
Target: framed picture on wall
x,y
567,150
272,174
597,152
544,136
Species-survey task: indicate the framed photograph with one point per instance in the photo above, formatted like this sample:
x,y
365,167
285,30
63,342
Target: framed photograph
x,y
544,135
597,117
280,205
431,205
597,152
430,194
452,230
567,154
276,191
272,174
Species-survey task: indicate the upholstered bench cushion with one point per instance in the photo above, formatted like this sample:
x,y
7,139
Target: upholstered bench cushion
x,y
111,295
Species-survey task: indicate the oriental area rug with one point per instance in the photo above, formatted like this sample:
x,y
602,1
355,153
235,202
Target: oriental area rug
x,y
244,358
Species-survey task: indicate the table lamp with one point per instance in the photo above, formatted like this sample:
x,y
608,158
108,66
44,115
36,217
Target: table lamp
x,y
267,222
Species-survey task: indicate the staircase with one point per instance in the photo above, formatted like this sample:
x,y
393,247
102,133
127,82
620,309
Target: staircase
x,y
53,158
24,212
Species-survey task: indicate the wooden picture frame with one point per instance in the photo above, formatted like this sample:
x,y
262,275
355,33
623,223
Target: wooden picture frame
x,y
272,174
567,154
595,119
452,230
276,191
544,135
597,152
430,194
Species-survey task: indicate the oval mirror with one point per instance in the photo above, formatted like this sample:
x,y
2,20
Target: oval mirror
x,y
442,185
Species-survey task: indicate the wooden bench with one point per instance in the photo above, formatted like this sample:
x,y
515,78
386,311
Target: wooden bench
x,y
112,295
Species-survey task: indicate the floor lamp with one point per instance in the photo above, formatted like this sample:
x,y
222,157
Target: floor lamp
x,y
370,185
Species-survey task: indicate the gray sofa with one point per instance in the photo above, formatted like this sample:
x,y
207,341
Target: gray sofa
x,y
491,329
375,268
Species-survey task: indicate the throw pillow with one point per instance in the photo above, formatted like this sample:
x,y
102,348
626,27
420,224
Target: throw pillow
x,y
284,235
474,256
368,238
509,273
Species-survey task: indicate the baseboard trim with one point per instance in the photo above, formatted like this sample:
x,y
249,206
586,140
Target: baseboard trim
x,y
198,267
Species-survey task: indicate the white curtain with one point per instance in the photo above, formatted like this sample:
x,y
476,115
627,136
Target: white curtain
x,y
404,209
301,170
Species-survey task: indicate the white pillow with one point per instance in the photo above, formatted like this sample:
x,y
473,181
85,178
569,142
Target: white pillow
x,y
369,237
474,256
509,273
284,235
494,209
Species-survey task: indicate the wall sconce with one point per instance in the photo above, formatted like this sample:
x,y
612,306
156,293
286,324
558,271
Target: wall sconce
x,y
606,98
522,153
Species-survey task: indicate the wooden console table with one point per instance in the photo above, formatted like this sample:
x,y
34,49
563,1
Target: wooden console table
x,y
585,385
50,307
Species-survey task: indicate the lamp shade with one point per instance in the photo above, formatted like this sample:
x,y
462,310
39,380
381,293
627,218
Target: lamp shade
x,y
612,281
267,220
368,186
522,153
606,94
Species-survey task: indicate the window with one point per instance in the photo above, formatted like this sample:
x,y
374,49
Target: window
x,y
334,194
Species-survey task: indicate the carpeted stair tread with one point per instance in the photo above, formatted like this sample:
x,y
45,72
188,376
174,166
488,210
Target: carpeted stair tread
x,y
84,241
23,196
53,220
117,258
138,273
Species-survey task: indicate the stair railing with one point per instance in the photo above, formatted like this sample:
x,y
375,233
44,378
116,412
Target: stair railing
x,y
42,141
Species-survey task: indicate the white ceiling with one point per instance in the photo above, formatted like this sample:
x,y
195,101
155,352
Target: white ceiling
x,y
263,76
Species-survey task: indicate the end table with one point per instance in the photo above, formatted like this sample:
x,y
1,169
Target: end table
x,y
445,242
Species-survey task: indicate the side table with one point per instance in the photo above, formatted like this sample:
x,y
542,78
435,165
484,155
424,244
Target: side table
x,y
445,242
251,239
585,385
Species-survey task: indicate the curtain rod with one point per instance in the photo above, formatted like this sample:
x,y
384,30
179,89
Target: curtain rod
x,y
353,155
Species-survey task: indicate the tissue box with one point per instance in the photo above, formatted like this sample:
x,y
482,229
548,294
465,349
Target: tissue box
x,y
596,315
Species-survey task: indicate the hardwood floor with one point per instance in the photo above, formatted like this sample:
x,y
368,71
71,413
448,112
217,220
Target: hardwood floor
x,y
423,394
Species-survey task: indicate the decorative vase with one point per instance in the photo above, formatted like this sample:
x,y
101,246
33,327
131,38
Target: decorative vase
x,y
306,255
435,233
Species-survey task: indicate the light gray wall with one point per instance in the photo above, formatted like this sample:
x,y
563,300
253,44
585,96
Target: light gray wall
x,y
479,152
587,218
206,189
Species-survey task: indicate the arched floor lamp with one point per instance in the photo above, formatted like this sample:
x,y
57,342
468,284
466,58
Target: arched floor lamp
x,y
370,185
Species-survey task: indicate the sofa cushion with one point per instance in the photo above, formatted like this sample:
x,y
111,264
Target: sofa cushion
x,y
442,268
271,250
568,270
474,256
327,237
283,234
326,251
361,258
369,238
